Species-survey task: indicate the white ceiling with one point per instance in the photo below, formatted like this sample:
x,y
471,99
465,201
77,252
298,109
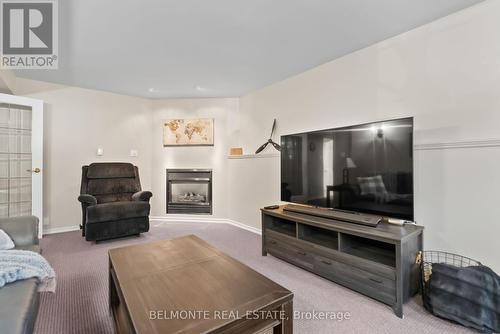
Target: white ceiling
x,y
218,48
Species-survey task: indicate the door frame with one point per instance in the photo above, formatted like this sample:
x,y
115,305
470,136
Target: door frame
x,y
36,151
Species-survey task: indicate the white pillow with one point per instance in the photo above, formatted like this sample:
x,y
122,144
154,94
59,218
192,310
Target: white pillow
x,y
5,241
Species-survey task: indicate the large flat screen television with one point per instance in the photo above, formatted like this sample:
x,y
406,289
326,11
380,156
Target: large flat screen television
x,y
365,168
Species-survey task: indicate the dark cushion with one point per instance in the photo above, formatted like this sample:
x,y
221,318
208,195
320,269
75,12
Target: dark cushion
x,y
18,307
112,186
87,199
110,170
116,229
122,197
116,211
469,296
142,196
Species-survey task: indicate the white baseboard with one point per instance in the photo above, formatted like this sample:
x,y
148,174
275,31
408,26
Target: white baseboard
x,y
169,219
202,219
187,219
244,226
52,230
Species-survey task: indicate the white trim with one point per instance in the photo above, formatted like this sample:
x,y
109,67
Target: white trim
x,y
254,156
244,226
36,152
170,219
187,218
202,219
459,144
60,229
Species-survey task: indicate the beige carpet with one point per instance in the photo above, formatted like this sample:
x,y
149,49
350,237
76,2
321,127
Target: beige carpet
x,y
80,304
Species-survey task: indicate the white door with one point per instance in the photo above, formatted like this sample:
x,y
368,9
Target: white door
x,y
21,157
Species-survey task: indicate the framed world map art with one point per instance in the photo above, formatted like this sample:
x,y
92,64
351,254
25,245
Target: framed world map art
x,y
188,132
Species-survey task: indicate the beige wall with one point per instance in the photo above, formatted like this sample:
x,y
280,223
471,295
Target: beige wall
x,y
76,122
212,157
445,74
252,184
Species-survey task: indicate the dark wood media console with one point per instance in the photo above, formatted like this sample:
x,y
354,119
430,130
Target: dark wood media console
x,y
376,261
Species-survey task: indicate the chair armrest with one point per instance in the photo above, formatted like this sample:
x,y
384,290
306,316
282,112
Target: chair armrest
x,y
87,199
22,230
143,196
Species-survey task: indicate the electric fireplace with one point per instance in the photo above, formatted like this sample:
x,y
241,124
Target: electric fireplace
x,y
189,191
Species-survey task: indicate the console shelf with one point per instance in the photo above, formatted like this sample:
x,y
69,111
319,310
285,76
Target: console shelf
x,y
376,261
373,250
283,226
319,236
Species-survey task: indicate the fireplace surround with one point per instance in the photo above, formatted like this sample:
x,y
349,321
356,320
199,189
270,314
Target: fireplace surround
x,y
189,191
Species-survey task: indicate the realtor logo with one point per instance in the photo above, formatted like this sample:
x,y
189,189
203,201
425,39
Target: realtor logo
x,y
29,34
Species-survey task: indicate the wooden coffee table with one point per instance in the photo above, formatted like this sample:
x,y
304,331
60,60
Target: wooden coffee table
x,y
185,285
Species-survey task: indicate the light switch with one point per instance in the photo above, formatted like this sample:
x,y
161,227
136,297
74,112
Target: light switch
x,y
134,153
100,151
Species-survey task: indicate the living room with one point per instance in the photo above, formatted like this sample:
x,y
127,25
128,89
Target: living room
x,y
254,71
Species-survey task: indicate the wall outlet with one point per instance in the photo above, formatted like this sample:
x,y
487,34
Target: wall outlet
x,y
100,151
134,153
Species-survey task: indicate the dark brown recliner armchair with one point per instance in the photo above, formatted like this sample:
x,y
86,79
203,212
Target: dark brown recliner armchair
x,y
113,204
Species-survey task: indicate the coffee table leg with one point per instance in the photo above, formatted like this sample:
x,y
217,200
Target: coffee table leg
x,y
286,326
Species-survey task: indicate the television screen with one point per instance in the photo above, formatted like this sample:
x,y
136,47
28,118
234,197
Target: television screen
x,y
364,168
